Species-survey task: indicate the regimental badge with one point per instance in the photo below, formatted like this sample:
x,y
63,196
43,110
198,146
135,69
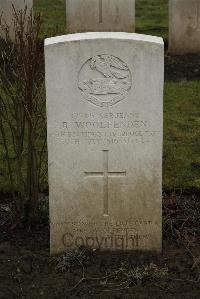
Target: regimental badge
x,y
104,80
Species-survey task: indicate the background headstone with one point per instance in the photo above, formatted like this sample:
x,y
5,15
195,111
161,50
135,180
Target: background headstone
x,y
184,26
105,127
6,10
100,15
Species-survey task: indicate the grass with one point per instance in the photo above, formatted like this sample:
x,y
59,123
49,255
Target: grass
x,y
181,161
152,17
54,15
181,158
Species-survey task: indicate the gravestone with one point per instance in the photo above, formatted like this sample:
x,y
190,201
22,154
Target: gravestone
x,y
105,127
7,12
100,15
184,27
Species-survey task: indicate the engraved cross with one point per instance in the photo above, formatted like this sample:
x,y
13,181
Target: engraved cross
x,y
197,23
100,11
106,174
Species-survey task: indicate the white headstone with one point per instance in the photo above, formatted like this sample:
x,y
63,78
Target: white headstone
x,y
7,12
100,15
184,27
105,127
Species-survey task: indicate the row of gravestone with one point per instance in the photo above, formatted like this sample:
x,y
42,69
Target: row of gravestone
x,y
119,15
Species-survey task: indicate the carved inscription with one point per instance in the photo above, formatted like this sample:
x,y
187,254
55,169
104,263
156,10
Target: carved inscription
x,y
106,174
106,234
106,128
104,80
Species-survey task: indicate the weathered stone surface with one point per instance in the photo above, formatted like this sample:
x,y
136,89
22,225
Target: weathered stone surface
x,y
6,10
184,26
104,112
100,15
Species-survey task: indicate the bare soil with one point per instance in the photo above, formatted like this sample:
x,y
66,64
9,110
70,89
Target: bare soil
x,y
27,270
185,67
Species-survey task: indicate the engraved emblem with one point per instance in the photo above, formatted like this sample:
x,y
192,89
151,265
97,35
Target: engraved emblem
x,y
104,80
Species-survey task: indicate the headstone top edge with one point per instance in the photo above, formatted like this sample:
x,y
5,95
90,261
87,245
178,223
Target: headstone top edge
x,y
103,35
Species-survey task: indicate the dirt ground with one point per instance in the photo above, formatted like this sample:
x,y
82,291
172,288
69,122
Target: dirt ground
x,y
182,67
27,271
